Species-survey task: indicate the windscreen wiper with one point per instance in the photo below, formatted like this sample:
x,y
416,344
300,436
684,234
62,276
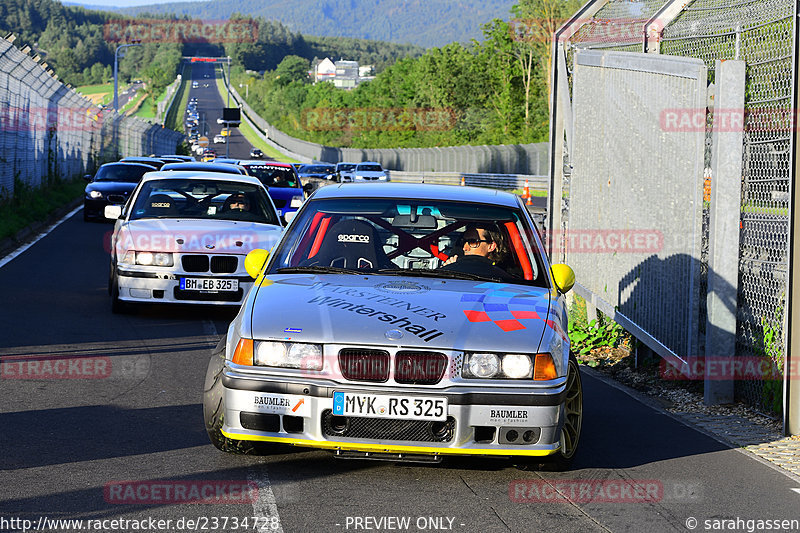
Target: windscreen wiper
x,y
316,270
451,274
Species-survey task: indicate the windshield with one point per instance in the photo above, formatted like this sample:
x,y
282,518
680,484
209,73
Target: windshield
x,y
345,166
370,168
416,238
318,169
273,175
203,199
127,173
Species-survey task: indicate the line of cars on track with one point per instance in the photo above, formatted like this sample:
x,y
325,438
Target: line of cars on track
x,y
366,171
358,331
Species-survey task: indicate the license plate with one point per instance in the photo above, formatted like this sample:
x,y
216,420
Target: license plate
x,y
210,284
386,406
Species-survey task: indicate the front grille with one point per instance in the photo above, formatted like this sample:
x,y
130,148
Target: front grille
x,y
222,296
279,204
419,368
195,263
224,264
364,365
387,429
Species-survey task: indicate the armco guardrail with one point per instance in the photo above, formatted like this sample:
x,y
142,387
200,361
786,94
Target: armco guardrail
x,y
508,182
48,130
526,159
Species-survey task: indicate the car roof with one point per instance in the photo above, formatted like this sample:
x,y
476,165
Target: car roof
x,y
127,163
140,159
369,163
202,167
264,162
416,191
214,176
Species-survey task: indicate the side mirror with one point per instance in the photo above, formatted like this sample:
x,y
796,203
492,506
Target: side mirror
x,y
563,277
254,262
308,188
88,177
112,212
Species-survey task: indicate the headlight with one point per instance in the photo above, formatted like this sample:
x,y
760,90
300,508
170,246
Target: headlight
x,y
163,259
483,365
297,201
501,366
95,194
517,366
288,355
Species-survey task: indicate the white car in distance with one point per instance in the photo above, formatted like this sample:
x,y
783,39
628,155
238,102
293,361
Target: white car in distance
x,y
369,171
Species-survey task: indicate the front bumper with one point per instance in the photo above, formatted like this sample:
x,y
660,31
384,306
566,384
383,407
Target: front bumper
x,y
479,420
162,285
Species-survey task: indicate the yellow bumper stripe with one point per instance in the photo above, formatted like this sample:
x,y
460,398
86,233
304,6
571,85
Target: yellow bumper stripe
x,y
387,448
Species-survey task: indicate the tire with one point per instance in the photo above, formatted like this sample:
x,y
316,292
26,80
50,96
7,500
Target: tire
x,y
573,414
214,411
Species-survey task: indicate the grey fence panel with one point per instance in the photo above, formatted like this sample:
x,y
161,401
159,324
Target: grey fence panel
x,y
615,195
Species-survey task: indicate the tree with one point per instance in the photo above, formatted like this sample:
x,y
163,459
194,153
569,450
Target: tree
x,y
292,68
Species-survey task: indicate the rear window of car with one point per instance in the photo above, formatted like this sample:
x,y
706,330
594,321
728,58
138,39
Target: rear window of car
x,y
318,169
273,175
127,173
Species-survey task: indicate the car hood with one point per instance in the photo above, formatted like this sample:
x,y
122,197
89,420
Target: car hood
x,y
119,187
197,236
402,311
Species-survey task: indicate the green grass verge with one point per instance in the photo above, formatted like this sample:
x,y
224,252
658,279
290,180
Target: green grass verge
x,y
174,119
29,205
133,102
96,89
534,192
148,109
251,135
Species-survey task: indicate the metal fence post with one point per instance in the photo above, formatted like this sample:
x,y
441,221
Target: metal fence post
x,y
726,199
791,363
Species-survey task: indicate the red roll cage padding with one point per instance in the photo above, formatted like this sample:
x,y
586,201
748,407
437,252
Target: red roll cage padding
x,y
440,255
519,249
323,227
307,237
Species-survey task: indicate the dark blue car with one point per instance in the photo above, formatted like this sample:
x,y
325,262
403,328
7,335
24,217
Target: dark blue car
x,y
111,185
281,181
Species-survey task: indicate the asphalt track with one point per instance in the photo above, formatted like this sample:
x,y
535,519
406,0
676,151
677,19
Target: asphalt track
x,y
133,413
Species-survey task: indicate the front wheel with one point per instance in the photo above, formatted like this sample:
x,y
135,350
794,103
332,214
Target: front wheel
x,y
214,411
573,419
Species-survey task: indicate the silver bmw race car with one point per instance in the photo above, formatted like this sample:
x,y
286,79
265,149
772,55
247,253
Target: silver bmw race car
x,y
183,237
403,322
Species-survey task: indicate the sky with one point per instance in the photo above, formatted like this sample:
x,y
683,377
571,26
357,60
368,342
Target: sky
x,y
120,3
